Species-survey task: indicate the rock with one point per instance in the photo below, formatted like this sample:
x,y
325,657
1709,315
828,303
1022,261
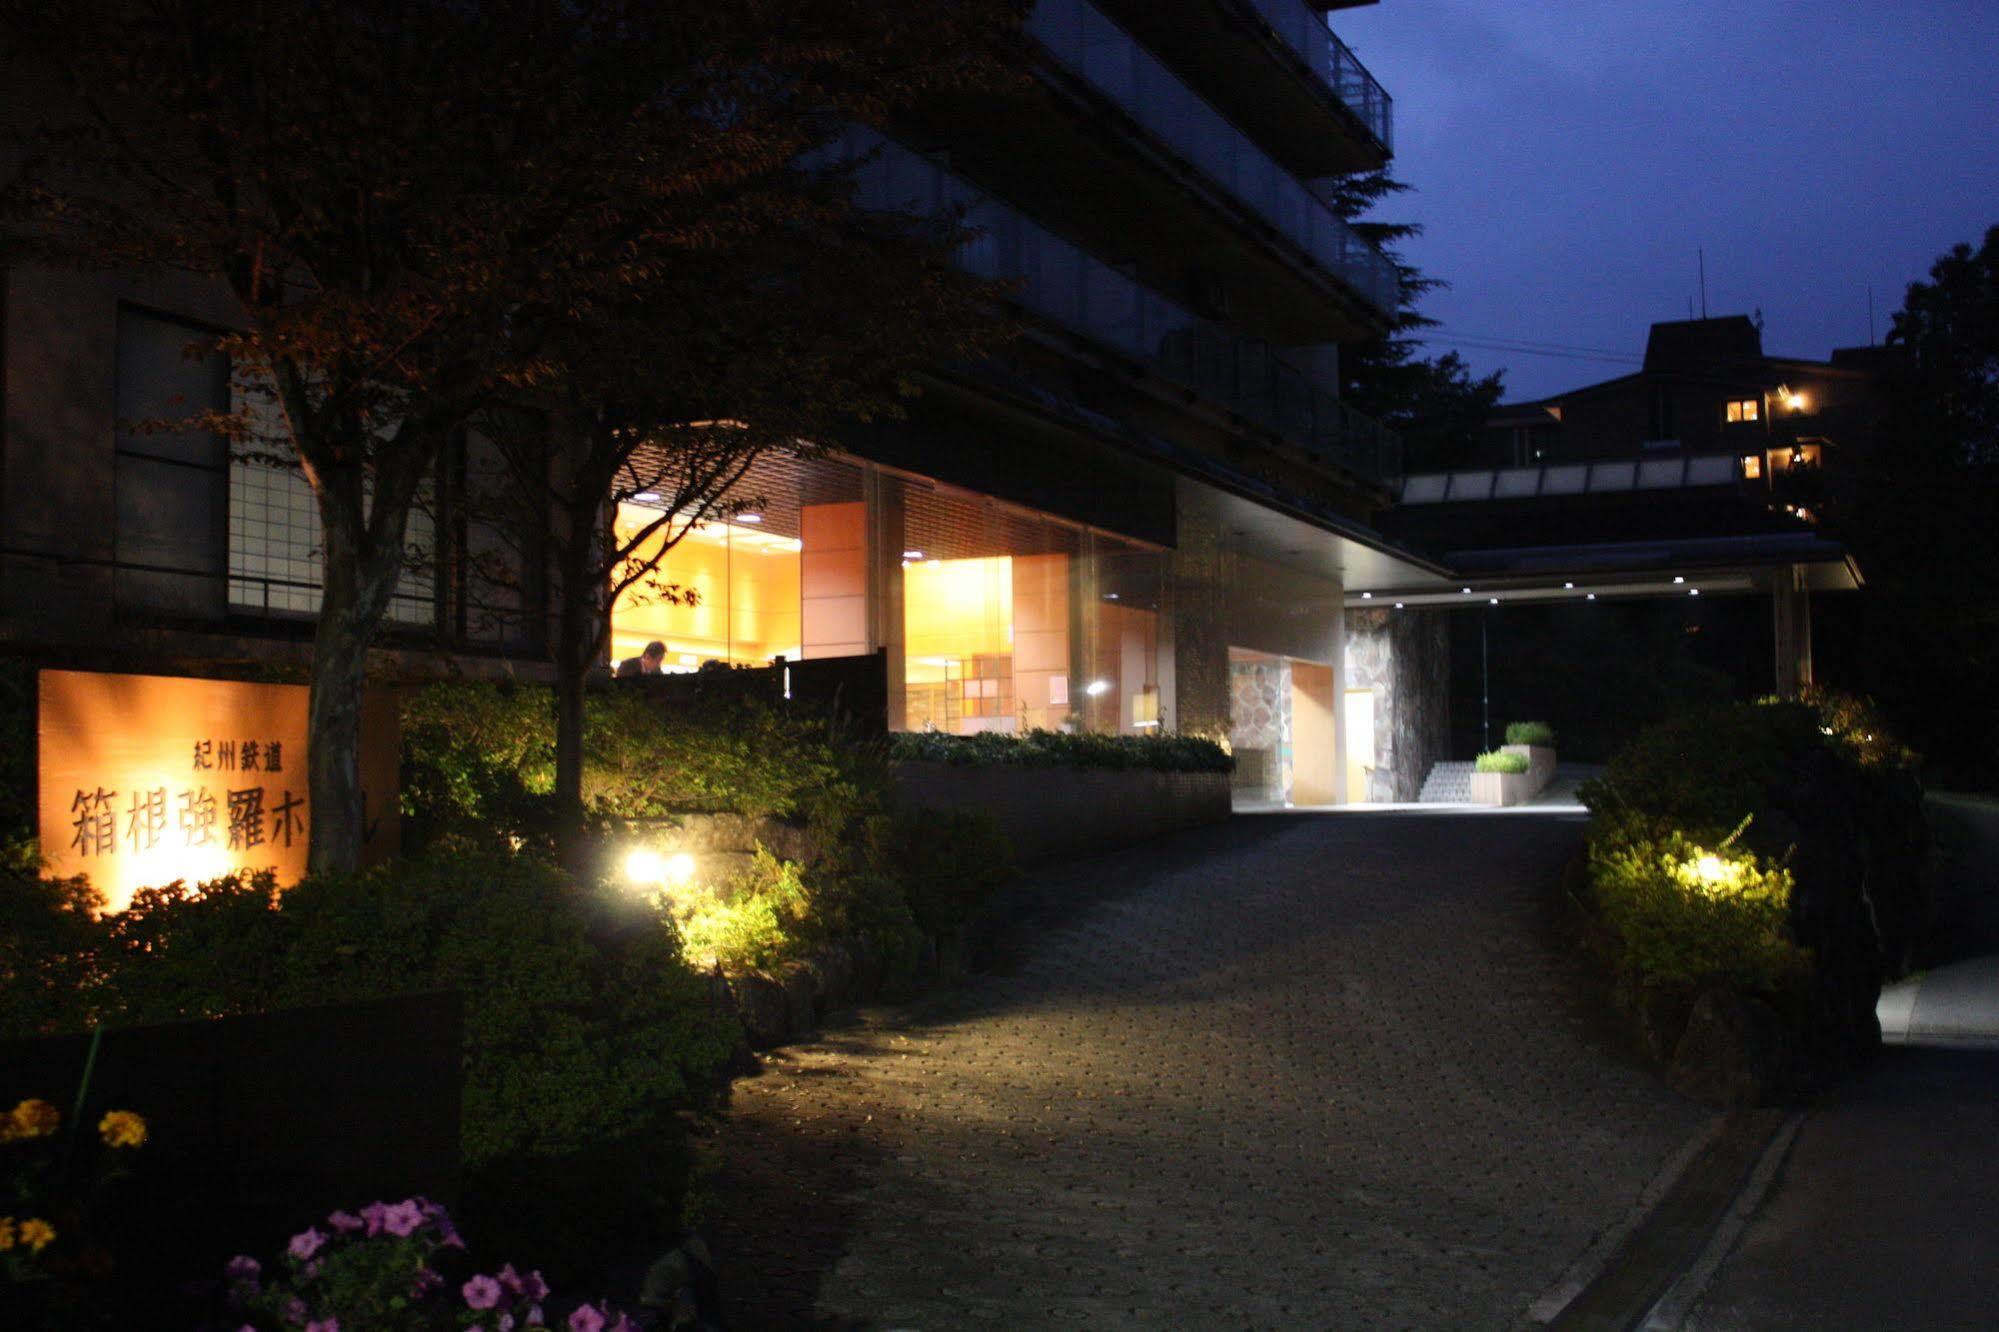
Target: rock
x,y
1731,1053
800,990
1661,1012
764,1007
670,1274
836,974
685,1314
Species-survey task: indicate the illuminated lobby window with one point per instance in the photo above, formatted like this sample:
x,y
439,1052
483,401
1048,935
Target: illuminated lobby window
x,y
738,595
783,575
1743,409
1013,621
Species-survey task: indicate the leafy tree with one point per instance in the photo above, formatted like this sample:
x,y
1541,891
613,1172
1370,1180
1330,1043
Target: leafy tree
x,y
1435,403
1915,497
385,185
809,322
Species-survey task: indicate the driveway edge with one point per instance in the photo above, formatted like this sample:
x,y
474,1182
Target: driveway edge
x,y
1726,1173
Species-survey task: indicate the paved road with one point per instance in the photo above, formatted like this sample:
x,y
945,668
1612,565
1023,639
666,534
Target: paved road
x,y
1886,1211
1307,1072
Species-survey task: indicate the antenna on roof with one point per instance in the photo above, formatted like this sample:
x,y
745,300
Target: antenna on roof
x,y
1700,257
1870,314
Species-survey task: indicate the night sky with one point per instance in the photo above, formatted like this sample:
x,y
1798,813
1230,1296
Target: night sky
x,y
1570,158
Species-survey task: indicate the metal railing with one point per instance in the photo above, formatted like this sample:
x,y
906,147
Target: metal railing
x,y
1067,285
1335,64
1112,61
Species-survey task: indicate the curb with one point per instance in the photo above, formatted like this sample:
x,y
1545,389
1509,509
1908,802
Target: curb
x,y
1662,1264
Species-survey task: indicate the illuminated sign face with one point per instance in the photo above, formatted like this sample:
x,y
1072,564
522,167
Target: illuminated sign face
x,y
146,779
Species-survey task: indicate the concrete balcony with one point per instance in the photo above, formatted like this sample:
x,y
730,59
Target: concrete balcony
x,y
1276,69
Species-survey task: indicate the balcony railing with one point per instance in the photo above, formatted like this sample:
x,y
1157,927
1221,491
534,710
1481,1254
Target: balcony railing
x,y
1305,32
1063,283
1109,59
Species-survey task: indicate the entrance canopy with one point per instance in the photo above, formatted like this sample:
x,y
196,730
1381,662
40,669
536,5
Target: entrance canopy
x,y
1760,563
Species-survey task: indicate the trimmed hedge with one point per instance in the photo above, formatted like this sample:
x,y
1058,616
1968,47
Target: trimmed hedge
x,y
1498,760
480,759
1530,733
1087,749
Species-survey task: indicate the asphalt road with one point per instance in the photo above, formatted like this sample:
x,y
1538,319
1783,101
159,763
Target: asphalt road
x,y
1292,1072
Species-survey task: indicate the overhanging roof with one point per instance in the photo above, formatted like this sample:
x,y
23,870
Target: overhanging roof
x,y
1698,566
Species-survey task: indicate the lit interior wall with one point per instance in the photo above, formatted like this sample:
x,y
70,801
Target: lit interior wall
x,y
958,639
746,605
1041,640
835,574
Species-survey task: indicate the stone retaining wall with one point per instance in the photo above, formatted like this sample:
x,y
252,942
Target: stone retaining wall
x,y
1056,813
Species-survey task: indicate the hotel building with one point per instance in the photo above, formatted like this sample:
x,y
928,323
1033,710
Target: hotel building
x,y
1151,513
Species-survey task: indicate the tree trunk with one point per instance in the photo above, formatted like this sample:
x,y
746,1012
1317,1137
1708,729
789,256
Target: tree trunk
x,y
575,533
357,592
575,651
363,562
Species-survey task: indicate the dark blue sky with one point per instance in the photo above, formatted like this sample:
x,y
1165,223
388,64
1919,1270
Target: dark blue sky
x,y
1570,158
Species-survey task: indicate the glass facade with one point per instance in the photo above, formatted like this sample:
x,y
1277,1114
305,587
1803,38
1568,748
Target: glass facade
x,y
993,617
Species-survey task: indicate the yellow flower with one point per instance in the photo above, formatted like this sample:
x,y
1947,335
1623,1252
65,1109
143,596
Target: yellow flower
x,y
122,1128
6,1233
34,1119
37,1234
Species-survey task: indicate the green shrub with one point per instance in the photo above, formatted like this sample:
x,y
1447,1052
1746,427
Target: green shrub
x,y
17,749
1853,723
480,759
585,1033
1700,773
1689,915
1498,760
760,920
1530,733
950,863
50,940
1087,749
581,1021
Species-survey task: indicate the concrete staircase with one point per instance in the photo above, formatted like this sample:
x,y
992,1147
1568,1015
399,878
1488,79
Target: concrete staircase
x,y
1448,784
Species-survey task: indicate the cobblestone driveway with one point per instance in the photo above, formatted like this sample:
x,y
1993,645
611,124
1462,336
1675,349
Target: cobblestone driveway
x,y
1294,1072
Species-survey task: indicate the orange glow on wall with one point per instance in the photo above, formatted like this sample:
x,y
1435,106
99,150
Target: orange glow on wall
x,y
956,609
145,779
746,586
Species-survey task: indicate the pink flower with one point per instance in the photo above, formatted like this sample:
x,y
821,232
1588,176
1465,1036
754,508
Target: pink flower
x,y
243,1268
435,1214
372,1215
344,1222
481,1292
586,1319
624,1324
323,1325
402,1219
533,1287
306,1243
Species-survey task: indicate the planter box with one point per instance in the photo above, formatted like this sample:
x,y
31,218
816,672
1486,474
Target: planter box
x,y
1057,813
1502,788
1540,762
